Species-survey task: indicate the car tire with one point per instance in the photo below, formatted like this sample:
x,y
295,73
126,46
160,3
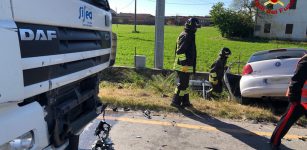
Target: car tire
x,y
244,101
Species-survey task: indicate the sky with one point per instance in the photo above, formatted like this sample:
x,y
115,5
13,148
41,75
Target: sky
x,y
172,8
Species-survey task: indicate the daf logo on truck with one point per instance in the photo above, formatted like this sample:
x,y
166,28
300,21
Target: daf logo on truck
x,y
38,35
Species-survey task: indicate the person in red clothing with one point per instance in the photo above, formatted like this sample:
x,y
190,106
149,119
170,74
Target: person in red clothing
x,y
297,94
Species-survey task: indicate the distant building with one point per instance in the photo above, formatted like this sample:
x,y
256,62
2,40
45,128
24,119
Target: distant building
x,y
180,20
206,21
289,25
148,19
128,18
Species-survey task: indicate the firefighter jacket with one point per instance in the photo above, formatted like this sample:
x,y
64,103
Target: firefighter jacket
x,y
217,70
186,52
298,87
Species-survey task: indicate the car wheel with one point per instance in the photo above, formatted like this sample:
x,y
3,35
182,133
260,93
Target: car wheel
x,y
244,101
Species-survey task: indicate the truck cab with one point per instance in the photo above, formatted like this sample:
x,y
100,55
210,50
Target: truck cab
x,y
52,54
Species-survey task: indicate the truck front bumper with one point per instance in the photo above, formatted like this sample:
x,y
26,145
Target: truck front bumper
x,y
18,120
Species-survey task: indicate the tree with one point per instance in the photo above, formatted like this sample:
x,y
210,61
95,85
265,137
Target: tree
x,y
232,23
244,6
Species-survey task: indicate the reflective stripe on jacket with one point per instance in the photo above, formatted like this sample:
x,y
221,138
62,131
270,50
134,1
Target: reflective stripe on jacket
x,y
179,67
304,93
213,78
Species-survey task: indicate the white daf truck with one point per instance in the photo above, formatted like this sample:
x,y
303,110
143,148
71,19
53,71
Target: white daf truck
x,y
52,52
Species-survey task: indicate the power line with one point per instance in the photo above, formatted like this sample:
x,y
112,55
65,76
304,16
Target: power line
x,y
127,5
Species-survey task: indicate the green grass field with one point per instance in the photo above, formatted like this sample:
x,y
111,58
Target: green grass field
x,y
209,42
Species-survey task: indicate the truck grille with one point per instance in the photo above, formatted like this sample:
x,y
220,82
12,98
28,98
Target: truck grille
x,y
41,40
35,40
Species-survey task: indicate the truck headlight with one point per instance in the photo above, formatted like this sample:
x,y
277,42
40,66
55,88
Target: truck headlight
x,y
113,51
24,142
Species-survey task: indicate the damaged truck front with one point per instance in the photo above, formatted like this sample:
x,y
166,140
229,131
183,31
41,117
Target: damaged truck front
x,y
52,52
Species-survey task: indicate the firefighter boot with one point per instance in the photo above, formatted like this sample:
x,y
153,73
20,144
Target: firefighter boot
x,y
186,101
177,100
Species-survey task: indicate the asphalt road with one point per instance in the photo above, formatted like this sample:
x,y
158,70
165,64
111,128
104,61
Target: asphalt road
x,y
189,130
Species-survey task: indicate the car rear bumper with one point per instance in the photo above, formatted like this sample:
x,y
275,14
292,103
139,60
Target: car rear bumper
x,y
265,91
259,87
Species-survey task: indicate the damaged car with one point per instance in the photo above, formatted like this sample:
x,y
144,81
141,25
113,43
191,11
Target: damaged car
x,y
266,75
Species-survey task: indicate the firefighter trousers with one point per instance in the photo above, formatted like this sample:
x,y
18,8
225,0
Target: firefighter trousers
x,y
294,112
218,88
181,96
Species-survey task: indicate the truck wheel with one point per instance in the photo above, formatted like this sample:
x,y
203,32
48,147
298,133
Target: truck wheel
x,y
73,142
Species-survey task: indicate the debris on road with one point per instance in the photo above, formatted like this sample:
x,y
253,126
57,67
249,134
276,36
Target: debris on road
x,y
164,145
103,142
156,115
126,109
211,148
303,139
173,123
147,114
138,137
115,109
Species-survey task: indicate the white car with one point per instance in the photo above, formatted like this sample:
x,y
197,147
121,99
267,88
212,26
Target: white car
x,y
268,73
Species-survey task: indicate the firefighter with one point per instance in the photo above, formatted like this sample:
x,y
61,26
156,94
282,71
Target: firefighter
x,y
217,71
185,62
297,94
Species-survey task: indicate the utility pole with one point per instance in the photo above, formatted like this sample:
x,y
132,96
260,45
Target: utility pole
x,y
116,20
159,40
135,17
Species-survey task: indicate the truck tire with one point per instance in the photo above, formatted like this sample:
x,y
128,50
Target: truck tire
x,y
73,142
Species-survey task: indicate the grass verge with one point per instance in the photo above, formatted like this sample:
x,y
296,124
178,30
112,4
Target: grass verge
x,y
143,90
142,99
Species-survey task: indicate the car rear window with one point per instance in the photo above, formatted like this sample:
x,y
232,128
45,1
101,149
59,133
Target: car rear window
x,y
277,55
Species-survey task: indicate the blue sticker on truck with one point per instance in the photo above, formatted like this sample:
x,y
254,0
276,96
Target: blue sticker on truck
x,y
86,16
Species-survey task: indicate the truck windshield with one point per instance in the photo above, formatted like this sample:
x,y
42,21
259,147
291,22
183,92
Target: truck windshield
x,y
277,55
103,4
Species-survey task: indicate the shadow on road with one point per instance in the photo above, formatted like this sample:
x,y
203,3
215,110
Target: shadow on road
x,y
251,139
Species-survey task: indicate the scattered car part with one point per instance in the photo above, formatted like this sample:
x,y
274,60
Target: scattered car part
x,y
232,82
115,109
102,132
202,86
147,114
126,109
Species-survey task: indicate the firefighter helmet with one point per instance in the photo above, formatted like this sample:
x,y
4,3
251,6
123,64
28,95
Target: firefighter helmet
x,y
225,52
192,24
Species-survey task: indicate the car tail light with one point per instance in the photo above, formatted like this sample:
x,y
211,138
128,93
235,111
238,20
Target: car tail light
x,y
247,69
